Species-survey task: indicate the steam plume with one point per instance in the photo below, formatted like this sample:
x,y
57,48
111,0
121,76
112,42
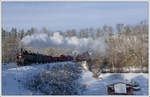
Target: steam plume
x,y
57,40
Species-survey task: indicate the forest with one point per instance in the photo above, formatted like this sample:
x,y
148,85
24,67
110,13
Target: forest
x,y
127,45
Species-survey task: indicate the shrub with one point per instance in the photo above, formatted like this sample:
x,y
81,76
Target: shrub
x,y
57,80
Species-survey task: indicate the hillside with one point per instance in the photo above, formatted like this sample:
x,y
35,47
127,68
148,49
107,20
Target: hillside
x,y
14,80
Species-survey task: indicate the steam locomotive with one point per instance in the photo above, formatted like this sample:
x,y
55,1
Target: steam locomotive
x,y
26,58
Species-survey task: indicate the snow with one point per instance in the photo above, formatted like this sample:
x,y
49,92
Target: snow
x,y
11,76
120,88
99,86
9,65
10,86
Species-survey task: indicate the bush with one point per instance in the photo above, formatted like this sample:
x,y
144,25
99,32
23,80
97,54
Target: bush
x,y
57,80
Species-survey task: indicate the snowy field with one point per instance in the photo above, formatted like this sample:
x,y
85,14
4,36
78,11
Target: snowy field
x,y
12,75
8,66
98,86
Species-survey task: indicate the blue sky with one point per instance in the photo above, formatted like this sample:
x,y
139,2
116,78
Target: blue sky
x,y
67,15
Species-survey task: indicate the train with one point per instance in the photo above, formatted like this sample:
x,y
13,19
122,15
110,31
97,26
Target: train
x,y
27,58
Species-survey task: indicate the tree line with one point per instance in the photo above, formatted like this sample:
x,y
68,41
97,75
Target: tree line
x,y
127,45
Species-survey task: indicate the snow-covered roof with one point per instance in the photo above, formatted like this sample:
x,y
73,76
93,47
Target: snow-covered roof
x,y
120,88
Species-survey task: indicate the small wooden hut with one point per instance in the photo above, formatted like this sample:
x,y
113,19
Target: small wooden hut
x,y
120,88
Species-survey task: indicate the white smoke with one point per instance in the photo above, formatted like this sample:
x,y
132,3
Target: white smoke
x,y
81,44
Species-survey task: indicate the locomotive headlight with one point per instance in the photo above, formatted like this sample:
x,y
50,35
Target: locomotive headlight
x,y
19,55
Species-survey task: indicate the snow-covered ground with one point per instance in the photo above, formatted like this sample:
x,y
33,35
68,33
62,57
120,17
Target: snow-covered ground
x,y
8,66
12,75
98,86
